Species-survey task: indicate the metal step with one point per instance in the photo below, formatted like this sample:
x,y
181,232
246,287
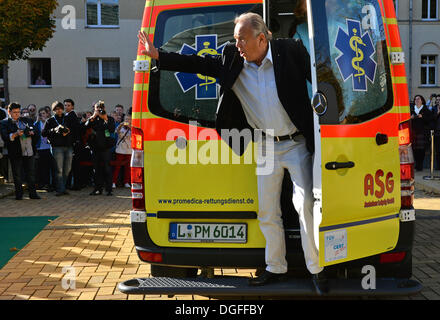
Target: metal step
x,y
238,286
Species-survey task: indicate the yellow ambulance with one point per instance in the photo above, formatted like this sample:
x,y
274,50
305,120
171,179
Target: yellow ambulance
x,y
195,203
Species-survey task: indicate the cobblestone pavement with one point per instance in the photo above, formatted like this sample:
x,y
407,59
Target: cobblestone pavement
x,y
92,234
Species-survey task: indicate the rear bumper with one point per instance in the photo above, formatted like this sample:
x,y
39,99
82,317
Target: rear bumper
x,y
254,258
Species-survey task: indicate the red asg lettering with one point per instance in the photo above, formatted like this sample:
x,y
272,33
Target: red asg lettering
x,y
389,182
368,185
376,186
379,193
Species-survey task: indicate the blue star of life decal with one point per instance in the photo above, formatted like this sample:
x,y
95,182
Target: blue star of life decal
x,y
206,87
356,59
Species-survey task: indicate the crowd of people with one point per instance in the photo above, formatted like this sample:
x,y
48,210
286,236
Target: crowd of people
x,y
55,149
425,117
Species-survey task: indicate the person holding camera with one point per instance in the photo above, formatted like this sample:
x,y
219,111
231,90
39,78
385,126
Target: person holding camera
x,y
123,152
61,132
20,139
101,142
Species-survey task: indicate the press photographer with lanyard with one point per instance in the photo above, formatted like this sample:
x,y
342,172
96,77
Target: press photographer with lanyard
x,y
101,143
61,132
20,139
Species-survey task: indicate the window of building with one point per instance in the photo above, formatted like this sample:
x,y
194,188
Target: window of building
x,y
102,13
40,72
429,9
103,72
428,70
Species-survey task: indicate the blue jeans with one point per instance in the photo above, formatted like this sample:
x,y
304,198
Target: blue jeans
x,y
63,158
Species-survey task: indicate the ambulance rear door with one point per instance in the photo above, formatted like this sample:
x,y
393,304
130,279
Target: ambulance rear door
x,y
356,164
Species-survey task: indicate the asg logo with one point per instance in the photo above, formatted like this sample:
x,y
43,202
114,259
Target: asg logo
x,y
206,87
378,184
356,59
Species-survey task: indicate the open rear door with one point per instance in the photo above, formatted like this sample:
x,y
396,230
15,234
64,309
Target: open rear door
x,y
356,168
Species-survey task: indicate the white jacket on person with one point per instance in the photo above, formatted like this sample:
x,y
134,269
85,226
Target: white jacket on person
x,y
123,146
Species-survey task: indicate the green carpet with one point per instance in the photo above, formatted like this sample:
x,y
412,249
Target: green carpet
x,y
17,232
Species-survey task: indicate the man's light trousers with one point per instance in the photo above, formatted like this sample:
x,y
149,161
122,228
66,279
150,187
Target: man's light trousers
x,y
294,156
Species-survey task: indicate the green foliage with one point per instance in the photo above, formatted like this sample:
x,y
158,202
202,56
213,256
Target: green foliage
x,y
25,26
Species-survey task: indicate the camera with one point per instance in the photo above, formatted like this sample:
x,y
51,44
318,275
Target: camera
x,y
62,129
27,131
101,111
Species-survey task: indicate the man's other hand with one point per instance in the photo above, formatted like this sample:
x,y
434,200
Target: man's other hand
x,y
150,49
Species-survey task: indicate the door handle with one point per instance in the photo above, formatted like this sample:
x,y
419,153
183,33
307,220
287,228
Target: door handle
x,y
339,165
381,139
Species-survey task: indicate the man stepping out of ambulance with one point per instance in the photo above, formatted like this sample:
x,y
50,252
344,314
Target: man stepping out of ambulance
x,y
263,86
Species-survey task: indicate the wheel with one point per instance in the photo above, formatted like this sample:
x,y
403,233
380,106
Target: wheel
x,y
173,272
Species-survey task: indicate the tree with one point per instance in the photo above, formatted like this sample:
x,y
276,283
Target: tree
x,y
25,26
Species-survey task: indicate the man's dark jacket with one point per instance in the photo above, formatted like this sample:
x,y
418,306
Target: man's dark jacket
x,y
57,139
98,140
291,67
14,147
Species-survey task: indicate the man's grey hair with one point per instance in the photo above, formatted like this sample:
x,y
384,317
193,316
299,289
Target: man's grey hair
x,y
256,22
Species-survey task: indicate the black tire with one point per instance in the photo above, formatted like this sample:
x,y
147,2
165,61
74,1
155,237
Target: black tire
x,y
173,272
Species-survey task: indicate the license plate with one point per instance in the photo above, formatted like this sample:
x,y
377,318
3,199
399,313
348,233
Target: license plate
x,y
208,232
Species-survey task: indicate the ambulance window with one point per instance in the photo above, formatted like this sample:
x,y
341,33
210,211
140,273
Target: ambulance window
x,y
187,97
352,57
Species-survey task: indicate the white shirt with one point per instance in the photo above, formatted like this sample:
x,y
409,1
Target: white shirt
x,y
256,89
417,109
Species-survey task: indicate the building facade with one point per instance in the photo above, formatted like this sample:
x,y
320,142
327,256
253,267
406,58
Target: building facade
x,y
89,58
419,25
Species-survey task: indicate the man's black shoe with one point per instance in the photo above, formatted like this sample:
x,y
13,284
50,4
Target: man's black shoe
x,y
96,192
109,193
19,198
259,271
268,277
35,196
59,194
320,282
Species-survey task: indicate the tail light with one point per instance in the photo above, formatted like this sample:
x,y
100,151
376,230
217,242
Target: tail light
x,y
137,169
406,165
150,256
392,257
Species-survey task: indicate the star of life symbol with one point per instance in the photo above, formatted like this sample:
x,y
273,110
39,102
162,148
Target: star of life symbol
x,y
206,87
356,59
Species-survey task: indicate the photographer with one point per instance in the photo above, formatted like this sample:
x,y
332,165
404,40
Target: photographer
x,y
20,138
123,152
101,143
61,132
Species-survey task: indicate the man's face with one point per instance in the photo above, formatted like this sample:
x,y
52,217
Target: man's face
x,y
252,48
32,109
59,111
14,114
42,115
68,106
119,110
98,108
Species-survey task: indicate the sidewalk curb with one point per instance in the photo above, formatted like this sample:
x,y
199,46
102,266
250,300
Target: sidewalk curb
x,y
432,186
